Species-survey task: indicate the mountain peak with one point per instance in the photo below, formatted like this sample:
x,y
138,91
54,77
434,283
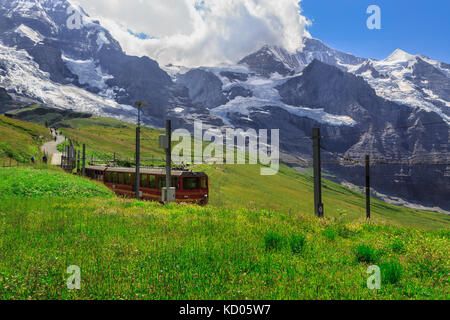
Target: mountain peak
x,y
399,56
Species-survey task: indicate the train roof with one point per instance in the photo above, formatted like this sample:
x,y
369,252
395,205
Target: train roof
x,y
156,171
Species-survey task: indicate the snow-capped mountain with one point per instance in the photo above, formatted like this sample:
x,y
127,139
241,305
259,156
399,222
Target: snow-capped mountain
x,y
271,59
83,59
362,105
382,108
413,80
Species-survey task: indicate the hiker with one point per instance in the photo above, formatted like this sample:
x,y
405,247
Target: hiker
x,y
44,159
55,139
33,159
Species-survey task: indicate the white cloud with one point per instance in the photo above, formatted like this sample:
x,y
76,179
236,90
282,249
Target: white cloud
x,y
221,31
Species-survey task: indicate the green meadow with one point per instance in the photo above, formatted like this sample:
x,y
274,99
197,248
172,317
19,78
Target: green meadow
x,y
20,140
257,239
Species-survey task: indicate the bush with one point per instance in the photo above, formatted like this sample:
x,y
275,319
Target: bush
x,y
398,246
298,243
273,241
330,233
366,254
345,232
391,272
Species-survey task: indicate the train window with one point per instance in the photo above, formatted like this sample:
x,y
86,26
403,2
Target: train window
x,y
152,181
204,183
191,183
108,177
144,181
161,182
128,179
176,182
121,178
114,177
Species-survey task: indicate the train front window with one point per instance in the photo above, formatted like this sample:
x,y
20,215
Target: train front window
x,y
191,183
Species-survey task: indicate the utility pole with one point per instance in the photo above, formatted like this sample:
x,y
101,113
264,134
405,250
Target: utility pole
x,y
318,205
169,154
368,187
83,170
138,150
78,162
165,142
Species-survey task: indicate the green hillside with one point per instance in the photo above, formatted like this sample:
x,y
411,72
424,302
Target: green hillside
x,y
104,137
258,238
21,140
136,250
236,186
242,186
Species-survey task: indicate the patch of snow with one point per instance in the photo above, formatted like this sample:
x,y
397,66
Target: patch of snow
x,y
178,110
394,200
88,72
102,40
433,96
265,95
173,71
29,33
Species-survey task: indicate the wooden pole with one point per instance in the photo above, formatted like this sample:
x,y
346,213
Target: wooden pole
x,y
83,170
138,162
318,205
368,187
169,154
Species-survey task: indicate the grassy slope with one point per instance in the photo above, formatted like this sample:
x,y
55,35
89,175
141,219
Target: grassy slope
x,y
242,186
104,136
45,116
135,250
21,140
33,183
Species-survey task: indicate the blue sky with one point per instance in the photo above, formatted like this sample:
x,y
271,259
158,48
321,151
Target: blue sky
x,y
418,27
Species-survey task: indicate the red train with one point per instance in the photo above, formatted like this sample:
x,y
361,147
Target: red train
x,y
191,187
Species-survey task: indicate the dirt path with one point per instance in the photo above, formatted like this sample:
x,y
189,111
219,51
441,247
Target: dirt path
x,y
51,149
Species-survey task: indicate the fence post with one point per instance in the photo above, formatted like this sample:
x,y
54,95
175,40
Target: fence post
x,y
78,162
83,170
368,187
318,205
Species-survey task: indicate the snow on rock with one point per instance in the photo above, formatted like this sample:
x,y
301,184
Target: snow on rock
x,y
88,72
29,33
265,95
24,77
399,83
102,40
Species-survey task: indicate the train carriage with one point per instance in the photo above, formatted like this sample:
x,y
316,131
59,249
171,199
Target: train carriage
x,y
191,187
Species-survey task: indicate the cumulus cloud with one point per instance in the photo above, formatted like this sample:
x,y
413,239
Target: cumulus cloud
x,y
201,32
